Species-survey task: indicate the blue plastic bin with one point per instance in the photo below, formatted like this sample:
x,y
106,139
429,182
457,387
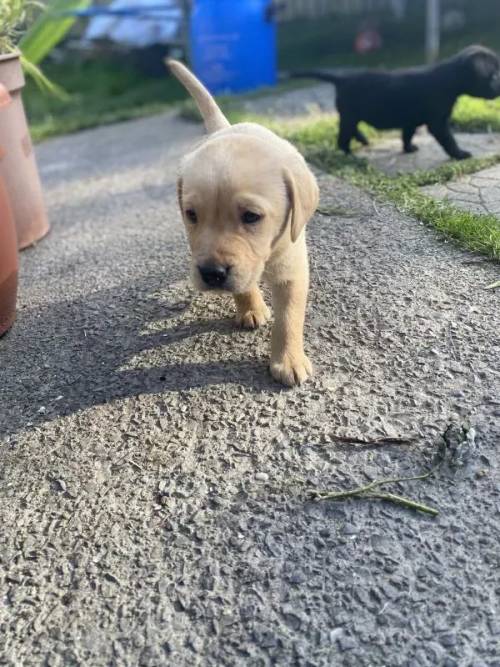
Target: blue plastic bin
x,y
233,44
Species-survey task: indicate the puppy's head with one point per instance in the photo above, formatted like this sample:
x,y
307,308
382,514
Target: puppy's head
x,y
240,201
481,68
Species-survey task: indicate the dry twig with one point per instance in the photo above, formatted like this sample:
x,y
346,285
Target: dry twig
x,y
377,441
370,490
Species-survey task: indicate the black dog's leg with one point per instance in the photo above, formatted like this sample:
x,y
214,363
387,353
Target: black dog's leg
x,y
442,133
408,133
361,137
346,132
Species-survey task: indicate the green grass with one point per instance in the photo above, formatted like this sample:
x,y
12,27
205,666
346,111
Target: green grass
x,y
474,115
480,233
99,93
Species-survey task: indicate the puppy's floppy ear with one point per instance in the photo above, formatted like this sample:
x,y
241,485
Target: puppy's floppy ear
x,y
483,61
484,64
303,196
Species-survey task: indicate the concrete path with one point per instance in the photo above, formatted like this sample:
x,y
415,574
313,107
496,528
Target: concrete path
x,y
387,154
479,192
154,500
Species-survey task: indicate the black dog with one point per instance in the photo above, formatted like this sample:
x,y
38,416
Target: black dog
x,y
407,98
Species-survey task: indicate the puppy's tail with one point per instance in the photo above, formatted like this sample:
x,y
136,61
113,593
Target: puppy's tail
x,y
321,74
212,116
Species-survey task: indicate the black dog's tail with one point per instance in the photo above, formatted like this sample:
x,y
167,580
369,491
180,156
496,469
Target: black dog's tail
x,y
322,74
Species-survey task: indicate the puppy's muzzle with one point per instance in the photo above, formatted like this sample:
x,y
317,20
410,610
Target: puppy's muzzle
x,y
214,275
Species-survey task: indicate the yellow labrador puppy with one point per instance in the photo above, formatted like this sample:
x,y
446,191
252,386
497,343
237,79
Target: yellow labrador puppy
x,y
245,197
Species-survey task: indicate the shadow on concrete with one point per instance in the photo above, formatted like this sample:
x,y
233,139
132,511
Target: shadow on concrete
x,y
65,357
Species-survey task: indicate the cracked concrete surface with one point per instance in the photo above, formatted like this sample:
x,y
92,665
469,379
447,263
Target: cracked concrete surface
x,y
154,480
479,192
387,154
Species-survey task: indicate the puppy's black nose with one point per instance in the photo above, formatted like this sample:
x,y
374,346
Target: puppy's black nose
x,y
214,275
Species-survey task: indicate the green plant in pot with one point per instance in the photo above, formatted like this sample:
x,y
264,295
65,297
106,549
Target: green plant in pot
x,y
29,30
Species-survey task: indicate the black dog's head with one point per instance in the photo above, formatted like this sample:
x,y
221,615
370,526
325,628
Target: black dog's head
x,y
481,72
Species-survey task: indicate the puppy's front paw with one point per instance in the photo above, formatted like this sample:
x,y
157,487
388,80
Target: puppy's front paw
x,y
462,155
254,317
291,369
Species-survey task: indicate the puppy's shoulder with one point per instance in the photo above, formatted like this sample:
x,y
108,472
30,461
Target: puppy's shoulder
x,y
241,137
247,129
253,129
261,133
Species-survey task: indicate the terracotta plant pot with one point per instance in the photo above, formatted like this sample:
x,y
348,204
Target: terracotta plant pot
x,y
17,161
8,260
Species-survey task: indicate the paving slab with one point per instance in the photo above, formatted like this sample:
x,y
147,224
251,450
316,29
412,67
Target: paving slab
x,y
479,192
153,478
387,154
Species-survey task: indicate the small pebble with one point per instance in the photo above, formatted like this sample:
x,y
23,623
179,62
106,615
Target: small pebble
x,y
448,640
262,476
346,643
336,633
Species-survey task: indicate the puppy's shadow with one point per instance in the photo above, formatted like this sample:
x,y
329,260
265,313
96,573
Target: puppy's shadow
x,y
66,357
181,331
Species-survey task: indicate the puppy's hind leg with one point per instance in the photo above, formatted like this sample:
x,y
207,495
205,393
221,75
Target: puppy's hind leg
x,y
361,137
408,133
252,311
346,132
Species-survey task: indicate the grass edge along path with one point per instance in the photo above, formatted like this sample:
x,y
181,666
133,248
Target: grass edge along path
x,y
474,231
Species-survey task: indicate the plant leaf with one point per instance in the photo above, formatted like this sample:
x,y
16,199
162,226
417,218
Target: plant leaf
x,y
44,83
49,29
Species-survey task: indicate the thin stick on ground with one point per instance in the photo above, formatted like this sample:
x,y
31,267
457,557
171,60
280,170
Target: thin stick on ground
x,y
376,441
368,490
390,497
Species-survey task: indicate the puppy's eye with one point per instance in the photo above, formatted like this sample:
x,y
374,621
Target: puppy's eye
x,y
250,218
191,215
